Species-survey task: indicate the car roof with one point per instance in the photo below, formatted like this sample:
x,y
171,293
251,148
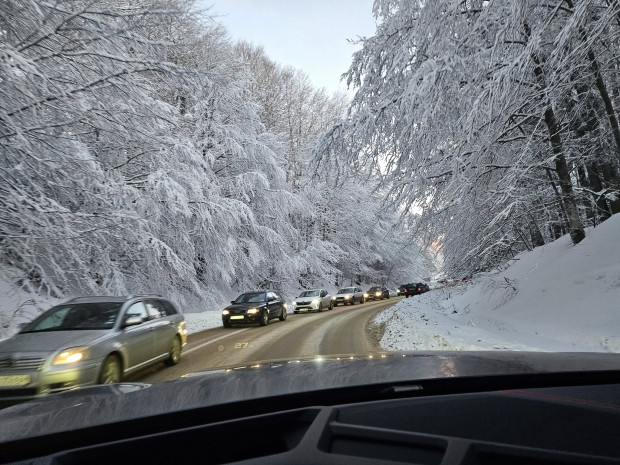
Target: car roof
x,y
111,298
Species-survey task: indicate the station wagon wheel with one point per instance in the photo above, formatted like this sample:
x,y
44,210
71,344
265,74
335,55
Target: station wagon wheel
x,y
264,318
110,370
283,315
320,306
175,352
331,305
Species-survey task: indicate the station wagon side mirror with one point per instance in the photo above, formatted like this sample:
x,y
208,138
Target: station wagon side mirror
x,y
232,301
323,293
133,320
270,299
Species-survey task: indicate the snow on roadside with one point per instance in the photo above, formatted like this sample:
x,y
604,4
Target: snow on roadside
x,y
558,297
197,322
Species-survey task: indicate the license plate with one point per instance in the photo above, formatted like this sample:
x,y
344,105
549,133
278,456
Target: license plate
x,y
237,317
14,380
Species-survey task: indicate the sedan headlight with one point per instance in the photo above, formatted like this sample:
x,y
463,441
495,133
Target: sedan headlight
x,y
365,294
334,297
71,355
252,311
225,312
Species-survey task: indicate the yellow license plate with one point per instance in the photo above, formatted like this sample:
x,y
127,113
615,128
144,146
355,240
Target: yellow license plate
x,y
14,380
237,317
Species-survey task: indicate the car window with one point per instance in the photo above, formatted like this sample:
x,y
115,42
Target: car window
x,y
82,316
155,309
309,293
250,297
169,308
138,309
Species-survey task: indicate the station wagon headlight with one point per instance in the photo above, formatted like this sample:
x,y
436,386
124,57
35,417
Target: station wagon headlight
x,y
72,355
365,294
252,311
225,312
347,297
315,301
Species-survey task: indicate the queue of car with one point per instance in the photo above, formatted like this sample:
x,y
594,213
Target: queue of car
x,y
101,340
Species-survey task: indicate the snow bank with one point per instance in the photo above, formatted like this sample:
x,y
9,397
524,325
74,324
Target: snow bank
x,y
558,297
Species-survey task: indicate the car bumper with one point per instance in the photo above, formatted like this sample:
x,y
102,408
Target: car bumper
x,y
306,308
30,384
232,319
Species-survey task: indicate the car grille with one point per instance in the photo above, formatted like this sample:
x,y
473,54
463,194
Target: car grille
x,y
31,363
305,302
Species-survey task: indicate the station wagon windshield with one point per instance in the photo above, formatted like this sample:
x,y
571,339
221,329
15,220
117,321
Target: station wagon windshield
x,y
76,317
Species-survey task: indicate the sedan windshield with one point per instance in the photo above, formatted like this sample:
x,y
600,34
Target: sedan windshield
x,y
251,297
310,293
76,317
346,290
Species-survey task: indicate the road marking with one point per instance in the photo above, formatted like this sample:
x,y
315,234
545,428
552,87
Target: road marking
x,y
189,351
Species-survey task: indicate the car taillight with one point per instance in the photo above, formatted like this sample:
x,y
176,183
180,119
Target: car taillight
x,y
419,289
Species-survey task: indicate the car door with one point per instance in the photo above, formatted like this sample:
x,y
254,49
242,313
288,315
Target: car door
x,y
163,328
272,305
325,298
138,340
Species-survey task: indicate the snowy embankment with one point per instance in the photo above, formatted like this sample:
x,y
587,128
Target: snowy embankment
x,y
558,297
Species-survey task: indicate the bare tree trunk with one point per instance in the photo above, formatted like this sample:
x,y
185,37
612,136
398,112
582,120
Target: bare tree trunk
x,y
596,185
575,226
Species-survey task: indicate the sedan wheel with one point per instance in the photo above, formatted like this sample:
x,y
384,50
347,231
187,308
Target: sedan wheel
x,y
320,306
331,306
175,352
264,318
283,314
111,370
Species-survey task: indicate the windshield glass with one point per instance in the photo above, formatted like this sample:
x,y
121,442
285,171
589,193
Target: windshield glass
x,y
310,293
81,316
235,175
251,297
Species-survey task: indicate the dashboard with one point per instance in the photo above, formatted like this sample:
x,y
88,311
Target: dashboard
x,y
577,424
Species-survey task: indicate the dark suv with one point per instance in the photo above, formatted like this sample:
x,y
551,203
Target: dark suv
x,y
412,289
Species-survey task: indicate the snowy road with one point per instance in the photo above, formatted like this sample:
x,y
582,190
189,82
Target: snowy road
x,y
340,331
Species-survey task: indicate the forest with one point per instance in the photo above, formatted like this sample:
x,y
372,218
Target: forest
x,y
143,150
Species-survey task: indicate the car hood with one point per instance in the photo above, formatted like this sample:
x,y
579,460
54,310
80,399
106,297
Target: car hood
x,y
50,341
112,403
245,306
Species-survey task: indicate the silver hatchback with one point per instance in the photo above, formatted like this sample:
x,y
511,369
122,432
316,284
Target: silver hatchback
x,y
90,340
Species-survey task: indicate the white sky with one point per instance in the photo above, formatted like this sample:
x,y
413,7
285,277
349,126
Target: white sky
x,y
308,34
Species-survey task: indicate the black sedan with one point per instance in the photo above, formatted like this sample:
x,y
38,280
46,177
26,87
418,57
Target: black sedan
x,y
412,289
254,307
377,293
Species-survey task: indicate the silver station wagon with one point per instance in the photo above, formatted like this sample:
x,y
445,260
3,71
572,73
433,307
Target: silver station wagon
x,y
90,340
